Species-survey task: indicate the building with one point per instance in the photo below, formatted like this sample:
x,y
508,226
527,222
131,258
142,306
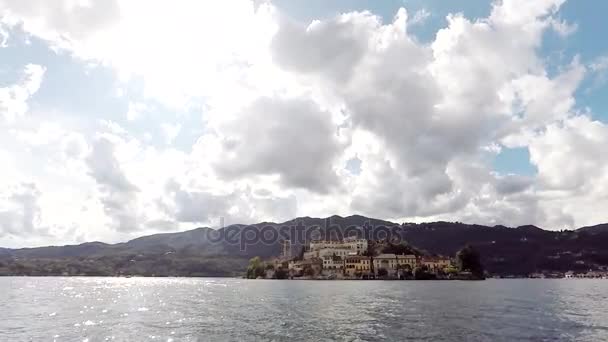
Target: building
x,y
357,266
342,248
436,263
392,263
359,246
346,257
307,267
340,251
333,264
286,249
351,245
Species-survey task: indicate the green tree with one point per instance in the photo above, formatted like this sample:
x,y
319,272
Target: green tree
x,y
309,271
281,273
370,252
399,248
255,268
469,260
407,269
422,273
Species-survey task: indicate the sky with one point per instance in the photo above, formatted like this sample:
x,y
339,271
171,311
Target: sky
x,y
120,118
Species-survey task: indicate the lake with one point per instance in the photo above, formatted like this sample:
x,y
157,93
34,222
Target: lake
x,y
218,309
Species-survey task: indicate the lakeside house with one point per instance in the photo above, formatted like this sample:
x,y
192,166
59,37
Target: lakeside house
x,y
356,265
395,265
349,259
436,263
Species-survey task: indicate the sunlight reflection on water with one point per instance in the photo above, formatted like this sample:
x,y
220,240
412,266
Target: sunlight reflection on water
x,y
181,309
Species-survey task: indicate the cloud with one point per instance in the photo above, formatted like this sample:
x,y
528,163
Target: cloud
x,y
198,206
170,131
570,156
424,106
420,17
600,64
136,110
174,46
563,28
61,21
287,104
599,67
572,168
513,184
20,212
330,47
118,194
292,138
13,99
4,36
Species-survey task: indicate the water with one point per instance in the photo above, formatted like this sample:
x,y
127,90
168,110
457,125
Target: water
x,y
203,309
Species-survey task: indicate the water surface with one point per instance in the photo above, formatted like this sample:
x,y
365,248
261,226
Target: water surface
x,y
204,309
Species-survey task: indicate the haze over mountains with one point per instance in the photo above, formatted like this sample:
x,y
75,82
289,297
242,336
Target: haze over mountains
x,y
505,251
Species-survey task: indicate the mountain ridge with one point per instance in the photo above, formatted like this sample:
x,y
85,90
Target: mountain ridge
x,y
505,250
593,228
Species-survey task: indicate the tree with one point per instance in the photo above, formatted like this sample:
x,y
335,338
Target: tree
x,y
370,252
422,273
382,272
255,268
308,271
400,248
281,273
470,261
407,271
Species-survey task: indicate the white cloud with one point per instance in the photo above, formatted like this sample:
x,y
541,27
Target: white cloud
x,y
573,168
563,28
4,36
600,64
13,99
135,110
420,17
118,194
174,46
287,104
19,211
291,138
599,67
170,131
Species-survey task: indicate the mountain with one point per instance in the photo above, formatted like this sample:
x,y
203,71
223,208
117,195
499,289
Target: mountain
x,y
515,251
600,228
207,252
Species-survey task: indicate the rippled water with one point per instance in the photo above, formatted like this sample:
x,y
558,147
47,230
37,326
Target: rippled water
x,y
162,309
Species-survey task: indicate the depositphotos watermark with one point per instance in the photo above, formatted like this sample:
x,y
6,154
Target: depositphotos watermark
x,y
297,233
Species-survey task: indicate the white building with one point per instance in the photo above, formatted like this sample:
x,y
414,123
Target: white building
x,y
344,248
356,244
393,262
333,264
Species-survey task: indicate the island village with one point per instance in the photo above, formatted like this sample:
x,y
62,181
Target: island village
x,y
356,258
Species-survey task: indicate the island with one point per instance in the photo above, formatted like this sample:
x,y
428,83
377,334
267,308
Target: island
x,y
354,258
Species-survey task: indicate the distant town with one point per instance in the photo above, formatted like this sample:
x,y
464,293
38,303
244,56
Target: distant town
x,y
356,258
